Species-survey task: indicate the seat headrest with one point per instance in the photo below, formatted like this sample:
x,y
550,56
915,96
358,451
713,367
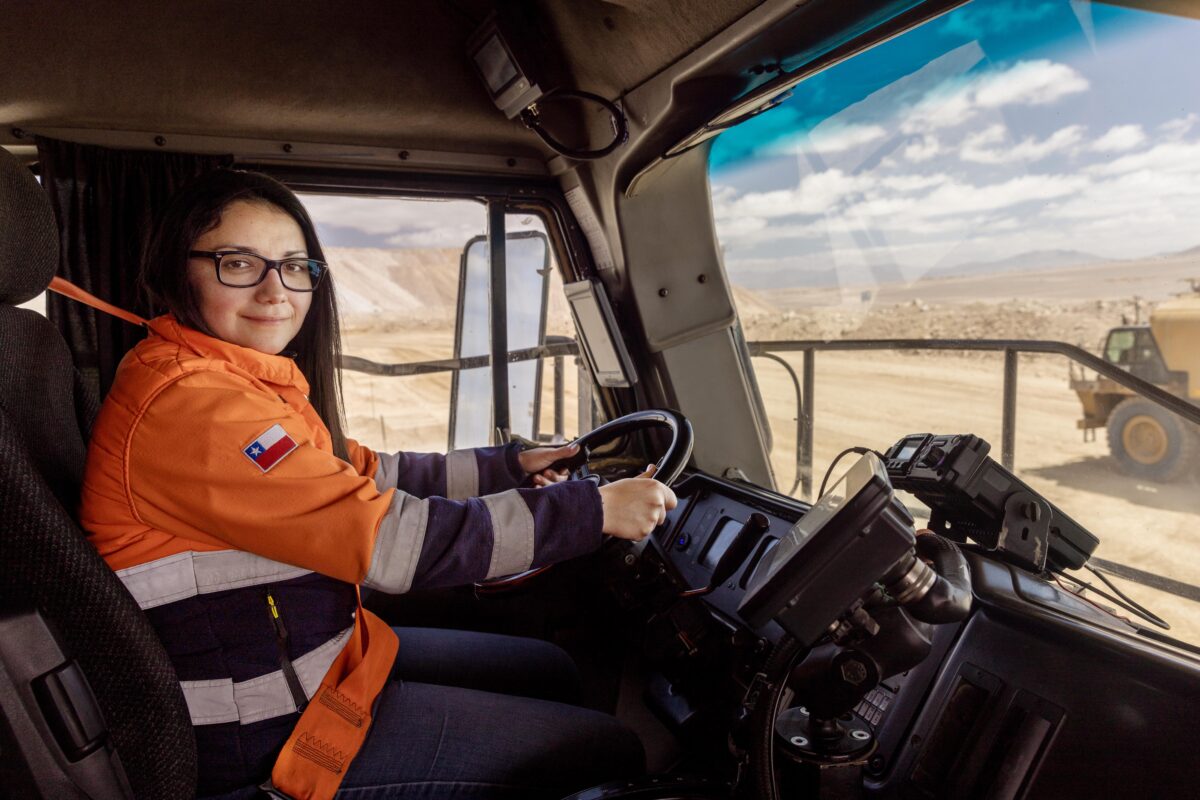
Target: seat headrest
x,y
28,233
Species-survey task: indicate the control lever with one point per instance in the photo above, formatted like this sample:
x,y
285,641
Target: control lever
x,y
735,555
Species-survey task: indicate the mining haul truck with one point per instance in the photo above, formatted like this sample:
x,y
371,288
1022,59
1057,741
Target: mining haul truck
x,y
1146,439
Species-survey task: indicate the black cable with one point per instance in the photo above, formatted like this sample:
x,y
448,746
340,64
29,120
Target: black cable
x,y
620,126
837,458
1125,602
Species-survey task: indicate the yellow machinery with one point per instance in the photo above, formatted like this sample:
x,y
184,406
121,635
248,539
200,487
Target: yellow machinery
x,y
1146,439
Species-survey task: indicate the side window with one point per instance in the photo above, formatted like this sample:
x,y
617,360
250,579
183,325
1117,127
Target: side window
x,y
1120,344
412,279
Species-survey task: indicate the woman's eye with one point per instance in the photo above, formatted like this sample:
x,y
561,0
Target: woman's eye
x,y
296,267
235,263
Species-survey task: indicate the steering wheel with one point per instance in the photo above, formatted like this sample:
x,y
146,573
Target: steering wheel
x,y
667,468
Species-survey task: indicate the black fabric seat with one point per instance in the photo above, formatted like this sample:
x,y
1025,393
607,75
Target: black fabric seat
x,y
45,562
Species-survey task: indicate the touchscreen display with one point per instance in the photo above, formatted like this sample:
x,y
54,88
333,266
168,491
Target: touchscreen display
x,y
802,531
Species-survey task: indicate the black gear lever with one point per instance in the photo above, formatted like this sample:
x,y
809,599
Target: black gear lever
x,y
735,555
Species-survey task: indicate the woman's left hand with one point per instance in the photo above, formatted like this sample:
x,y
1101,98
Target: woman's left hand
x,y
536,461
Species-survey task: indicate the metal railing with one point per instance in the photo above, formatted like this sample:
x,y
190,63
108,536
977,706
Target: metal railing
x,y
1011,348
560,347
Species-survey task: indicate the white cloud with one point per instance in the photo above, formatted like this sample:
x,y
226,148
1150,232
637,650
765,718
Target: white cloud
x,y
922,149
955,101
1119,139
1168,158
827,139
985,147
1034,83
961,198
1179,127
405,222
837,139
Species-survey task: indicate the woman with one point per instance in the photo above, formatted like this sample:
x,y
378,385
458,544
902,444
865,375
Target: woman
x,y
221,489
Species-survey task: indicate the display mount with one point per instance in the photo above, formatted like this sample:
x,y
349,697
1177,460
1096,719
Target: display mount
x,y
831,557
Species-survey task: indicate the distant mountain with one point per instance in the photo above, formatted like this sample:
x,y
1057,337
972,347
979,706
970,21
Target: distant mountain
x,y
1022,262
1191,252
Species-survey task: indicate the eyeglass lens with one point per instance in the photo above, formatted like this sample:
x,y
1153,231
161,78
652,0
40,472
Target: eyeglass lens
x,y
243,269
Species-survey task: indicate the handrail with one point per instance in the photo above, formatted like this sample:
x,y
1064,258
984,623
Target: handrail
x,y
549,350
557,346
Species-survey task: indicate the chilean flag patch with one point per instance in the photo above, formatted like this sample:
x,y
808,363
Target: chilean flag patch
x,y
270,447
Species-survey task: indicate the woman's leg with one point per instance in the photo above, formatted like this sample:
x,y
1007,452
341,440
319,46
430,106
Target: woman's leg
x,y
442,742
489,662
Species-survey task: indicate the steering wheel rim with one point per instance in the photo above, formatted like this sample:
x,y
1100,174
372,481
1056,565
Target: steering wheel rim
x,y
667,469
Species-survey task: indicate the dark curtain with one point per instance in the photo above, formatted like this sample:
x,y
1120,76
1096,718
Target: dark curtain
x,y
106,203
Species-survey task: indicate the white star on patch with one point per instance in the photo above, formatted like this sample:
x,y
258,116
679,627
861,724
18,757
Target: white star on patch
x,y
256,451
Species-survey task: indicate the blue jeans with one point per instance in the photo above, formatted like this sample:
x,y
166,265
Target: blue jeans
x,y
479,715
469,715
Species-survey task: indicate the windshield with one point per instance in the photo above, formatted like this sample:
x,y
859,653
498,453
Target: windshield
x,y
1010,170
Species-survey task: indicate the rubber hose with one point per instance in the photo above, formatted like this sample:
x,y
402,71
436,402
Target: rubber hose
x,y
762,761
949,599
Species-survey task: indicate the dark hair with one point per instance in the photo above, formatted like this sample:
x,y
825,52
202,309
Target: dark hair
x,y
196,209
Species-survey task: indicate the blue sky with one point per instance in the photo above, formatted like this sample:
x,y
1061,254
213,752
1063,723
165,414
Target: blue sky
x,y
1001,128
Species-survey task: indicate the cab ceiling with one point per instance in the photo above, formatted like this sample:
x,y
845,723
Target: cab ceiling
x,y
385,74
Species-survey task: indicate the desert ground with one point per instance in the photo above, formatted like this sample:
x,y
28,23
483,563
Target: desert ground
x,y
869,399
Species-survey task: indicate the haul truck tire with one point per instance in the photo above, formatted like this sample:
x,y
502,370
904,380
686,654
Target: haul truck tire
x,y
1150,442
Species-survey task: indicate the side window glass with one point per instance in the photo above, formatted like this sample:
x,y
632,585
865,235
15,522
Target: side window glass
x,y
412,279
540,390
1119,345
395,266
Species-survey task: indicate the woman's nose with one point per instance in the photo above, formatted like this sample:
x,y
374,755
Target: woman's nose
x,y
271,290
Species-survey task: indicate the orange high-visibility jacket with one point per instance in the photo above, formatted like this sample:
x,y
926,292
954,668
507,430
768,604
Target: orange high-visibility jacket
x,y
212,490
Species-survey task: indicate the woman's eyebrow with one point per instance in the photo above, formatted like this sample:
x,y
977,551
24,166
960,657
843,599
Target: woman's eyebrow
x,y
248,249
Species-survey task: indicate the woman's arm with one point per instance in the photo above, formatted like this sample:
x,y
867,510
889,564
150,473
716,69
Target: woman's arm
x,y
188,474
457,475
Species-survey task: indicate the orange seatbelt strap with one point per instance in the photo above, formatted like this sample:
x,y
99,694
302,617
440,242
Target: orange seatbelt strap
x,y
334,724
67,289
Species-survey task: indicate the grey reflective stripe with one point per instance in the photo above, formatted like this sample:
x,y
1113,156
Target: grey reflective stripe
x,y
215,701
188,574
512,533
387,474
398,544
462,475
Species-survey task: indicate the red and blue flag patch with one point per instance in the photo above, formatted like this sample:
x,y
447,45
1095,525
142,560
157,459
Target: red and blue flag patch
x,y
270,447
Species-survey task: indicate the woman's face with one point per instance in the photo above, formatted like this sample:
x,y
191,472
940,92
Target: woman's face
x,y
264,317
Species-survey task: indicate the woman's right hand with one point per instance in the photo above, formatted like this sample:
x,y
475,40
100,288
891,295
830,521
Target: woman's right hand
x,y
633,507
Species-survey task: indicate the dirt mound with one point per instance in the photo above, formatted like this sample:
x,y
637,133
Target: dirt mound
x,y
416,285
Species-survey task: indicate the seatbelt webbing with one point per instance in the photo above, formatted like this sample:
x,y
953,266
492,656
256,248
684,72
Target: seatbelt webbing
x,y
67,289
334,724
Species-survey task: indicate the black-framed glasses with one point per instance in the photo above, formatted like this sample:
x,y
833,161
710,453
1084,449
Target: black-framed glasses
x,y
243,270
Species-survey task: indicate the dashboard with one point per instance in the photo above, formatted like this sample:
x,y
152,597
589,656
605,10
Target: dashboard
x,y
1004,704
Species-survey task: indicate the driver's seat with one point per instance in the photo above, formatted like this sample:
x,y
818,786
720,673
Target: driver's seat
x,y
66,622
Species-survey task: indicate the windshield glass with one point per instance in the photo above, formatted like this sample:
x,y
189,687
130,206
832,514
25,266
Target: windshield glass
x,y
1010,170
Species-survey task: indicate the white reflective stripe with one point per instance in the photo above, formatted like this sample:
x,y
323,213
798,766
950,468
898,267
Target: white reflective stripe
x,y
398,544
462,475
512,533
188,574
215,701
387,474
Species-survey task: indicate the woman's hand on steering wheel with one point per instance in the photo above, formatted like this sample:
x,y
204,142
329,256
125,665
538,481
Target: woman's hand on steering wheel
x,y
536,462
633,507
